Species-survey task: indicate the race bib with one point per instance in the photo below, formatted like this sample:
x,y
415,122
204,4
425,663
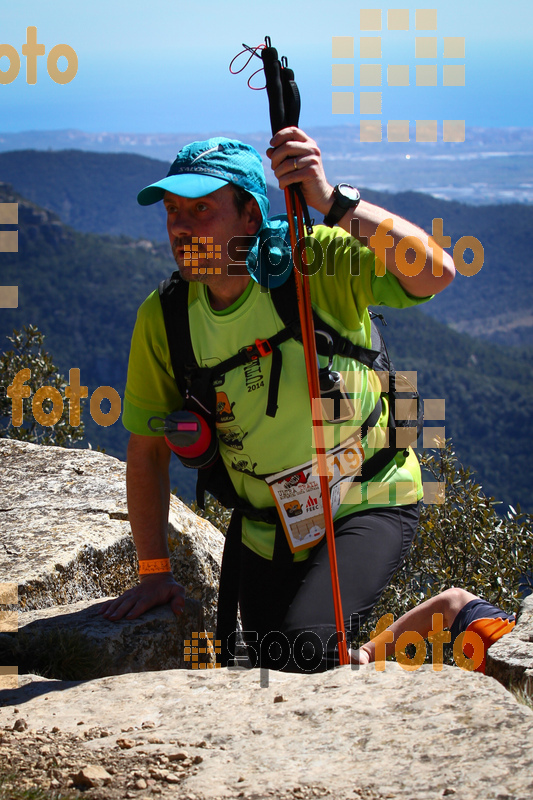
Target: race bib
x,y
298,498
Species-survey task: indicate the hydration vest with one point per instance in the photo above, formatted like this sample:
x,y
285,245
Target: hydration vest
x,y
197,384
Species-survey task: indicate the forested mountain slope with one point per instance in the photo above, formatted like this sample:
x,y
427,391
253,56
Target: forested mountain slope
x,y
96,192
82,290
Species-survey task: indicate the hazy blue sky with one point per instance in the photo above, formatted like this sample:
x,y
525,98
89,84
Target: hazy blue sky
x,y
162,65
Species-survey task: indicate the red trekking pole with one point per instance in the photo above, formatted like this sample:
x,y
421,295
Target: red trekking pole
x,y
284,102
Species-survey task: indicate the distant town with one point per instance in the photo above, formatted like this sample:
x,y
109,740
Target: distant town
x,y
492,165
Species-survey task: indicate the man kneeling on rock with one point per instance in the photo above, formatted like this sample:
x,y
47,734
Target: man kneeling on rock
x,y
215,196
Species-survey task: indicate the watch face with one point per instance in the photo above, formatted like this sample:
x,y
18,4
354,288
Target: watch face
x,y
348,192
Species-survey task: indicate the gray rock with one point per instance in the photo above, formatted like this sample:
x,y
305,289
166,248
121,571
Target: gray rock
x,y
75,642
510,660
65,539
65,536
346,733
92,776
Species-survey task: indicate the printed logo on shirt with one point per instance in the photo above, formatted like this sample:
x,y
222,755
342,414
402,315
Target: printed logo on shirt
x,y
224,411
232,437
243,463
252,373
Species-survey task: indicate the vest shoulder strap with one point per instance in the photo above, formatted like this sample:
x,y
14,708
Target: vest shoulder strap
x,y
286,304
174,297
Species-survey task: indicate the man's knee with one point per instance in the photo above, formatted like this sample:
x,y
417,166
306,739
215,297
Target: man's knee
x,y
453,600
308,651
293,651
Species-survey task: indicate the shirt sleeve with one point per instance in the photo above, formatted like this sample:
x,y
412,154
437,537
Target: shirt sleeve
x,y
150,387
388,291
351,268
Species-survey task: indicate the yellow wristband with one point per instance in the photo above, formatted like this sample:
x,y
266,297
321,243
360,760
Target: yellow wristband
x,y
154,565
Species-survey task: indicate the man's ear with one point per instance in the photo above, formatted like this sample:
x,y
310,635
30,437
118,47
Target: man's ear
x,y
253,216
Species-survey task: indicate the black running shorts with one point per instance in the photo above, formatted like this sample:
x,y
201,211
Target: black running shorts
x,y
287,610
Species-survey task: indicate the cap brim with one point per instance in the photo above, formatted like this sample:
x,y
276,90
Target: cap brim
x,y
186,185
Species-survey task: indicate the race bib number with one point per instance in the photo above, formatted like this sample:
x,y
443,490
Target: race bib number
x,y
298,498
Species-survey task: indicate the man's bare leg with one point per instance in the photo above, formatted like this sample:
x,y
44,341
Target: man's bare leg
x,y
419,619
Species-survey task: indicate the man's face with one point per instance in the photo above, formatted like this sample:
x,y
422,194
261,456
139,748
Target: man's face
x,y
214,219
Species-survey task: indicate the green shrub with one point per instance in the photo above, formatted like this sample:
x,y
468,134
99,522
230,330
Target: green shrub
x,y
214,512
28,353
463,542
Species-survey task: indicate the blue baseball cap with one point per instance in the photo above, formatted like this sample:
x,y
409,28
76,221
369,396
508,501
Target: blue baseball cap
x,y
203,167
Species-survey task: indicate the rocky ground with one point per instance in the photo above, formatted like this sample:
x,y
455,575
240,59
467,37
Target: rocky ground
x,y
60,766
222,735
219,734
59,762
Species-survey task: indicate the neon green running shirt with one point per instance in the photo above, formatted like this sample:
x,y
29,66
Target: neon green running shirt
x,y
252,443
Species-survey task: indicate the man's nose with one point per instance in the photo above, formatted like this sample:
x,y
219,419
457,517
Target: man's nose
x,y
180,224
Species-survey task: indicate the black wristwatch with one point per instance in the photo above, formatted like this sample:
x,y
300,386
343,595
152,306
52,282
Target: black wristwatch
x,y
345,197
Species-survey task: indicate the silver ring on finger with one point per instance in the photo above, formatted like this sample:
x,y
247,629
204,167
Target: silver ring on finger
x,y
294,163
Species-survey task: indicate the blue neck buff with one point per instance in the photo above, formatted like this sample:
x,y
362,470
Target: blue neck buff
x,y
269,259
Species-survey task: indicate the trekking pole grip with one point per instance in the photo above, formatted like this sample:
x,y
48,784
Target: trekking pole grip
x,y
274,87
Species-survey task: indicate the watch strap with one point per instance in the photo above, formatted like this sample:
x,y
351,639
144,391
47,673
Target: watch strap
x,y
341,204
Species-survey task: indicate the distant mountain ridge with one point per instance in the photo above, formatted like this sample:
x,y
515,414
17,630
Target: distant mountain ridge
x,y
96,192
92,192
492,165
329,137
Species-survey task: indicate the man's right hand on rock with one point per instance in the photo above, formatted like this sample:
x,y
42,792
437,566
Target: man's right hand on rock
x,y
153,590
